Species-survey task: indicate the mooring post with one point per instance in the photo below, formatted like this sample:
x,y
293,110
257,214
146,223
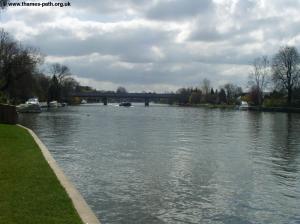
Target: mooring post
x,y
146,102
104,100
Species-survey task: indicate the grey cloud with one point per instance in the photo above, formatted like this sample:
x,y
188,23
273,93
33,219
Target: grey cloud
x,y
190,74
286,4
178,9
245,7
109,6
133,45
31,17
206,30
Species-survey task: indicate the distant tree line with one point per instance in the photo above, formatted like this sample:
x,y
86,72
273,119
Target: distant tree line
x,y
271,83
20,77
228,94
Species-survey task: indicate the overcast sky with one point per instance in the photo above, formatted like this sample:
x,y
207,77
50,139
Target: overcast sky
x,y
157,45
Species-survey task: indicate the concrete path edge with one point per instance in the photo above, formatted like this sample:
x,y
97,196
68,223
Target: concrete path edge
x,y
82,208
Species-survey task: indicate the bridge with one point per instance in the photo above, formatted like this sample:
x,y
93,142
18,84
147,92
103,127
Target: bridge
x,y
104,96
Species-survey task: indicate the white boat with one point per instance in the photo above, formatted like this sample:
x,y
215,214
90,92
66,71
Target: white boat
x,y
83,101
33,101
44,104
54,104
32,105
244,106
29,108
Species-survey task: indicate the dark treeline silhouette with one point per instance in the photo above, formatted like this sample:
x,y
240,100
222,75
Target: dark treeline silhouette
x,y
229,94
20,77
17,68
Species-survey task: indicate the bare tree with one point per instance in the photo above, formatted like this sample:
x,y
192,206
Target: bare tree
x,y
259,76
232,92
206,86
121,89
60,71
286,72
17,68
14,60
69,86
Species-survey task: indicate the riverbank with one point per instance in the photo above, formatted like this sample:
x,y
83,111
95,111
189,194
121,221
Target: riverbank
x,y
251,108
212,106
30,191
275,109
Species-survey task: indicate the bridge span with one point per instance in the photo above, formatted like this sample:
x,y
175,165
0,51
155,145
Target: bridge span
x,y
104,96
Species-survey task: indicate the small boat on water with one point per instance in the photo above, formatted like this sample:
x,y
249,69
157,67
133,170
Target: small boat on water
x,y
32,105
44,104
244,106
54,104
125,104
83,101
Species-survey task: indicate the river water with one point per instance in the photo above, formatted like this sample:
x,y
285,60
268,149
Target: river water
x,y
163,164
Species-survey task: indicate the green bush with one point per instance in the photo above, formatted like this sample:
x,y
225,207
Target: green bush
x,y
272,102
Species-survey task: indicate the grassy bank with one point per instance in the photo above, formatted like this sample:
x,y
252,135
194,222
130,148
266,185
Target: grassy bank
x,y
29,190
211,106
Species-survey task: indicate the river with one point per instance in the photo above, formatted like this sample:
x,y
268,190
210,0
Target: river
x,y
163,164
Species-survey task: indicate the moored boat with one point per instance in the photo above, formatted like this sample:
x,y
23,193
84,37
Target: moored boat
x,y
125,104
32,105
44,104
244,106
54,104
34,101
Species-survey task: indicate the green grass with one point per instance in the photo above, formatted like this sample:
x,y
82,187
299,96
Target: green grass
x,y
215,106
29,190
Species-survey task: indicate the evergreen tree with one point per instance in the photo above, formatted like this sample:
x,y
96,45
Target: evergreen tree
x,y
222,96
54,92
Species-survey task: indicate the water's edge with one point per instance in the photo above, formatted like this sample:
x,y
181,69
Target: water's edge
x,y
82,208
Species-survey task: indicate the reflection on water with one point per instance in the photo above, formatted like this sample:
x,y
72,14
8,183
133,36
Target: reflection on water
x,y
178,165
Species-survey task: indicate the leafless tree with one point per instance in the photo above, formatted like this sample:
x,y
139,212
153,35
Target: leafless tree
x,y
60,71
121,89
232,92
205,86
18,64
260,76
9,55
286,72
